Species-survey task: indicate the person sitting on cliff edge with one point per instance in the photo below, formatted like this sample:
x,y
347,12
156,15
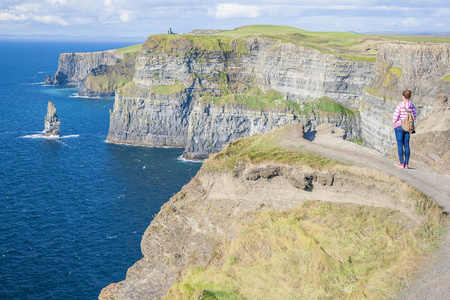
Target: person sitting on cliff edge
x,y
401,135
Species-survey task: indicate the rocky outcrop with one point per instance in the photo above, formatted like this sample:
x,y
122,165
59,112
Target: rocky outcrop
x,y
104,80
184,234
74,67
212,127
52,123
430,146
421,68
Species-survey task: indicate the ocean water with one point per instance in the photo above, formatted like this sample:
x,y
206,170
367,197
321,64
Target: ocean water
x,y
72,210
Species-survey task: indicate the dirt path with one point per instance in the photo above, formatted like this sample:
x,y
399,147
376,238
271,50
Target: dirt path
x,y
434,281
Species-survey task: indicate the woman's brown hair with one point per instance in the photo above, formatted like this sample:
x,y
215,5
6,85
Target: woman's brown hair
x,y
407,94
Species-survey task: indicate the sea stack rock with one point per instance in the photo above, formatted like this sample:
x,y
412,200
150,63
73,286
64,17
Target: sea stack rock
x,y
50,80
51,121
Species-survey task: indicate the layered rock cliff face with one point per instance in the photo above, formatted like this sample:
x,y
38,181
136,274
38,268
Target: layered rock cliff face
x,y
299,74
144,118
421,68
432,142
212,127
74,67
175,79
302,73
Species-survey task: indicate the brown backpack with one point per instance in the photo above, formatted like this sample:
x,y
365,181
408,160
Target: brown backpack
x,y
408,123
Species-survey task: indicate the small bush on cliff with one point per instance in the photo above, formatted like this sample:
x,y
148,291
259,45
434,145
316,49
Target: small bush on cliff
x,y
384,83
358,141
393,74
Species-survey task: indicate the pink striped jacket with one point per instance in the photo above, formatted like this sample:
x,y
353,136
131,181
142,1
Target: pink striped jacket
x,y
400,113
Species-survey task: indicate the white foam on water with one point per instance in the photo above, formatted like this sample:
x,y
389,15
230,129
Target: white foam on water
x,y
75,95
40,136
182,159
49,137
69,136
34,83
133,145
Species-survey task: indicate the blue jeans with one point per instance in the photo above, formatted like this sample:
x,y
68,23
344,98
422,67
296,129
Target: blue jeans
x,y
402,137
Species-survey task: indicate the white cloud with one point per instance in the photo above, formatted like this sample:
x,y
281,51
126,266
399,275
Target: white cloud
x,y
53,2
411,22
232,10
126,16
441,12
110,6
7,16
28,8
50,20
46,19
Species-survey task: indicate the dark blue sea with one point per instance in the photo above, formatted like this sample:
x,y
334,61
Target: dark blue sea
x,y
72,210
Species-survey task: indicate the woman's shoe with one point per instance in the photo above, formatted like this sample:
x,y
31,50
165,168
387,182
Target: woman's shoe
x,y
400,165
406,167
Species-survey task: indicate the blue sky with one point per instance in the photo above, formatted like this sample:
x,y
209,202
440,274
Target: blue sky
x,y
122,19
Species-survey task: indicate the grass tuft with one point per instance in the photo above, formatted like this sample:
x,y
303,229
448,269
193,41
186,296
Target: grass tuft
x,y
358,141
167,89
264,148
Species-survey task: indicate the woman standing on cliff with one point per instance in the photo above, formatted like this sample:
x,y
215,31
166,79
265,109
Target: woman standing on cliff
x,y
401,135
